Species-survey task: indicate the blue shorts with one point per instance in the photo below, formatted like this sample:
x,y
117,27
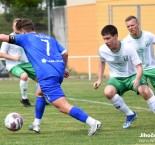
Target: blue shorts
x,y
51,88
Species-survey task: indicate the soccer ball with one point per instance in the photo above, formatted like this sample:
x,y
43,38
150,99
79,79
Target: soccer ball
x,y
13,121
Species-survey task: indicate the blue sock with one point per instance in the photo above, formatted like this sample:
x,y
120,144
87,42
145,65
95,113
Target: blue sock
x,y
39,107
78,114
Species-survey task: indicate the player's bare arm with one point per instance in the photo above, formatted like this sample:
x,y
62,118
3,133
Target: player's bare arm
x,y
138,75
7,56
65,57
8,38
100,75
66,75
4,38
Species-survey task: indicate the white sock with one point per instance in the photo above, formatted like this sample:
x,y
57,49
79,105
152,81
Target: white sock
x,y
36,121
119,103
151,103
23,88
151,92
90,121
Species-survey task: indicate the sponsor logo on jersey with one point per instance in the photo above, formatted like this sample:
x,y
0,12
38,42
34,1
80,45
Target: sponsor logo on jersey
x,y
44,60
147,43
126,58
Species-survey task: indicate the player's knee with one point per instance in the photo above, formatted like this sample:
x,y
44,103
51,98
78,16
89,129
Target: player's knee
x,y
61,109
39,93
109,92
62,105
24,76
146,94
64,109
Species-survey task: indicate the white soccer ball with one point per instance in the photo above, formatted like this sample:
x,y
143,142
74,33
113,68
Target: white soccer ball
x,y
13,121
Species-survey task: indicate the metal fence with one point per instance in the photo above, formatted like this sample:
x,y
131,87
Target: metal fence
x,y
38,16
116,15
144,12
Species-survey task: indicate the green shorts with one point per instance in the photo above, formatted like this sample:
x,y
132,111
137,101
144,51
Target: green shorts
x,y
150,74
21,68
125,84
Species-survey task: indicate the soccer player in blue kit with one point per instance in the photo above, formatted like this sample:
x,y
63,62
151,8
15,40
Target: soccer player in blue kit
x,y
49,60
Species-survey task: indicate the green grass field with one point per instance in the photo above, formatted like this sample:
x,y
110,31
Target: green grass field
x,y
60,129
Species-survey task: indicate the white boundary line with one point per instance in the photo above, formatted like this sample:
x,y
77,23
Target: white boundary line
x,y
106,104
83,100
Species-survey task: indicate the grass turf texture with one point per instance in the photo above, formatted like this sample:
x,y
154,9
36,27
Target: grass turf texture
x,y
60,129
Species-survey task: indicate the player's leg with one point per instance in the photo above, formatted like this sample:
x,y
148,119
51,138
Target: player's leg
x,y
145,91
39,92
148,96
112,90
39,106
65,107
23,84
20,73
2,66
53,92
31,74
151,100
39,110
117,101
150,74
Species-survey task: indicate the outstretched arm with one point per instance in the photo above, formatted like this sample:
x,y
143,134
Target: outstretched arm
x,y
4,38
7,56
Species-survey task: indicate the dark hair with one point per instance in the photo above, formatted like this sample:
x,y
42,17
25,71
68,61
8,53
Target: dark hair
x,y
130,18
25,24
109,29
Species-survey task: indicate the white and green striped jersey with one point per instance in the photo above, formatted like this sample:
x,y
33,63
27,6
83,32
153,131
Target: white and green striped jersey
x,y
121,63
144,48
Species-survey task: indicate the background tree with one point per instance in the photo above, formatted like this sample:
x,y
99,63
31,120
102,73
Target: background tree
x,y
28,9
59,2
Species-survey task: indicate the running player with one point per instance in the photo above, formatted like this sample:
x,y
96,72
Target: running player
x,y
49,60
142,42
125,72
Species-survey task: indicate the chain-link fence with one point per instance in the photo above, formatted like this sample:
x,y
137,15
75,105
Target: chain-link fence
x,y
37,15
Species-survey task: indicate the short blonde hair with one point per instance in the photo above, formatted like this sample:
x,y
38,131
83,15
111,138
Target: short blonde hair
x,y
130,18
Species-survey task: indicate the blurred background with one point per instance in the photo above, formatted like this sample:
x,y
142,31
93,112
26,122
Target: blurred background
x,y
76,24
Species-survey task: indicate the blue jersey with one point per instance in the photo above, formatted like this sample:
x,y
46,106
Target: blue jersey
x,y
44,53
